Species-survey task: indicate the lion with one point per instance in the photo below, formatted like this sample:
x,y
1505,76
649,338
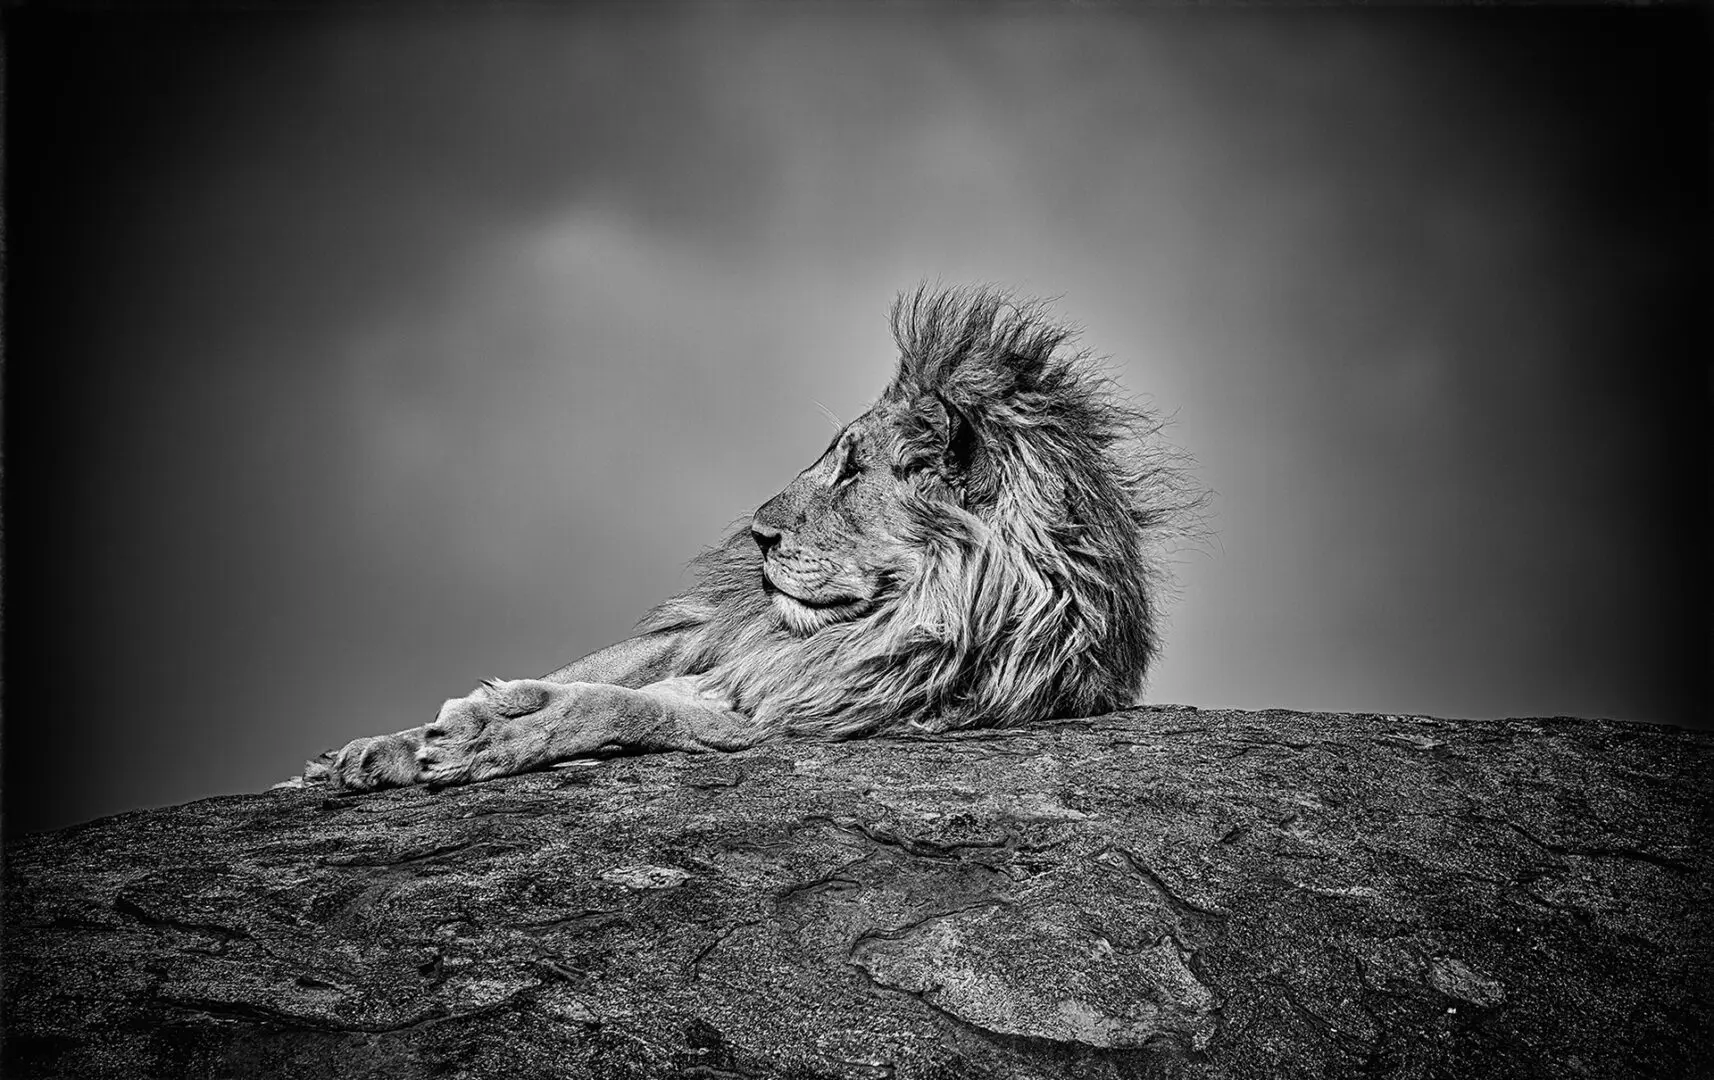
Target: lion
x,y
983,547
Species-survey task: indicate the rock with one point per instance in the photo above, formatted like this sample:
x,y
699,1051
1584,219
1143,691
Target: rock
x,y
1161,892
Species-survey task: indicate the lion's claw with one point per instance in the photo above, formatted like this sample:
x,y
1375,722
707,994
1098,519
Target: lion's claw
x,y
381,761
319,771
481,735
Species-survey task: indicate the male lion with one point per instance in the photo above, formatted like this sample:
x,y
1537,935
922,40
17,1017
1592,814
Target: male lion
x,y
978,549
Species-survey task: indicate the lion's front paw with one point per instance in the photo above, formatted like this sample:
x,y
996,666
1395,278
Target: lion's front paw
x,y
482,736
380,761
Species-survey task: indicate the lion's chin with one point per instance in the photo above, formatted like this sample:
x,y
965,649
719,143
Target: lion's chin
x,y
802,618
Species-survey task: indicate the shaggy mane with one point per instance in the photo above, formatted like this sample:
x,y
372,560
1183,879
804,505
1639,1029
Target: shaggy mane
x,y
1040,577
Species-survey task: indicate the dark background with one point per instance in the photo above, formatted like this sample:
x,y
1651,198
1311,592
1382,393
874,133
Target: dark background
x,y
351,358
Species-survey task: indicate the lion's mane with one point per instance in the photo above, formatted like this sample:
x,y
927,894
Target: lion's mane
x,y
1037,597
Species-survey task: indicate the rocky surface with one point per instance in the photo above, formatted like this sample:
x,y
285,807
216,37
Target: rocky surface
x,y
1163,892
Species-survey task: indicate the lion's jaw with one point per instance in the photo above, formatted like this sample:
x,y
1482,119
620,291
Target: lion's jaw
x,y
805,619
807,603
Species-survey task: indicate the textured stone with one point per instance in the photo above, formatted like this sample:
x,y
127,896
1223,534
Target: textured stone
x,y
1163,892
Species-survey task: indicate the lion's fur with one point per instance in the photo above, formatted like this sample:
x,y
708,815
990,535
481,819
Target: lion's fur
x,y
1037,589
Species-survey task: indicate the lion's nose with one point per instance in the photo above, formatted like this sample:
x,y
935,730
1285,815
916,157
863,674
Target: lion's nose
x,y
766,539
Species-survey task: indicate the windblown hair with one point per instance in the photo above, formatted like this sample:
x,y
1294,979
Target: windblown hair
x,y
1033,574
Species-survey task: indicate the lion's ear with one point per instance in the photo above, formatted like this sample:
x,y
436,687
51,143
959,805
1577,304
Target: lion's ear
x,y
955,437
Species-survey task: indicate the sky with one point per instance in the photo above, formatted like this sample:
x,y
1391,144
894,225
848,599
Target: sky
x,y
352,358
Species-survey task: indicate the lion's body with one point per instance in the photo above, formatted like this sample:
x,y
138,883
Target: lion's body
x,y
980,548
1036,598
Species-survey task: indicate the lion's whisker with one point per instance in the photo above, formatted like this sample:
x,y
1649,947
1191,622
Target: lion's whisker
x,y
827,412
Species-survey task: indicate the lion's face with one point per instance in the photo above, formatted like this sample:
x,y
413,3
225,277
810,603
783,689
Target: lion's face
x,y
833,541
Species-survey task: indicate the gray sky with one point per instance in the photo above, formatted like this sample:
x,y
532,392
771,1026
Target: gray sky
x,y
383,353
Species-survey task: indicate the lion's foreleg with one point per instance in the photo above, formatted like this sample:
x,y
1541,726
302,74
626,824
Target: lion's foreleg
x,y
635,662
512,727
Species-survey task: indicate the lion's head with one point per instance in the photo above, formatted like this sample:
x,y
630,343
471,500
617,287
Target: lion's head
x,y
841,537
977,548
